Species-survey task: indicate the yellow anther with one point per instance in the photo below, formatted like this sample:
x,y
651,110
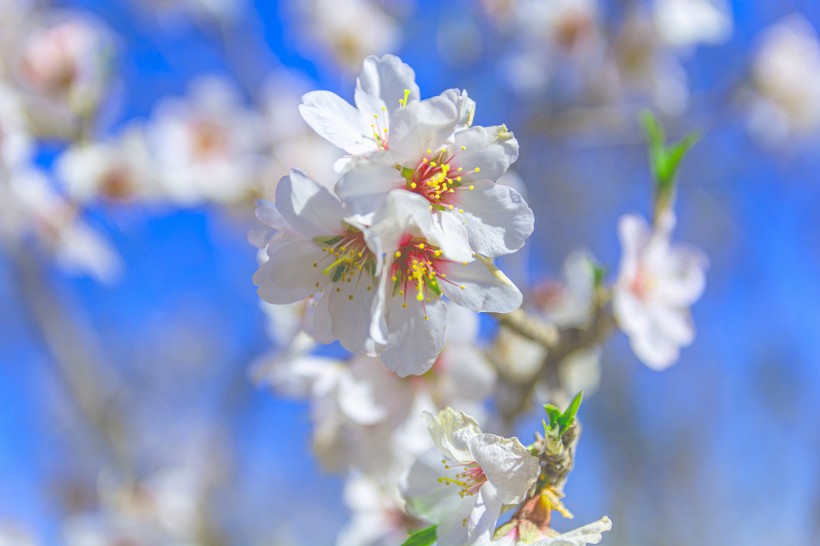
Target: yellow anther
x,y
393,278
420,296
450,207
461,211
401,292
432,163
429,151
463,148
462,287
458,179
477,169
375,116
460,169
404,306
437,252
397,254
421,246
412,185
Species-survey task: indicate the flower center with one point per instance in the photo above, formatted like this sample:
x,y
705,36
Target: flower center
x,y
416,268
437,177
470,479
347,259
642,284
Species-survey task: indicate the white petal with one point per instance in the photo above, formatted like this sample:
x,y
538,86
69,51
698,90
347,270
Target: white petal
x,y
403,212
498,219
427,497
386,78
364,188
588,534
289,276
484,516
481,287
508,465
308,207
464,105
317,319
267,214
352,317
452,530
449,233
415,335
337,121
452,432
419,126
490,149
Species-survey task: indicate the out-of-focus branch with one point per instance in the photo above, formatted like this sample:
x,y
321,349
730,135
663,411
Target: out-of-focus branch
x,y
559,343
75,353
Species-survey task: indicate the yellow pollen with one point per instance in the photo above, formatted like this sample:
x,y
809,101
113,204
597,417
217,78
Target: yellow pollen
x,y
404,306
426,317
420,296
460,169
432,163
437,252
376,116
463,148
458,179
424,160
429,151
451,207
393,278
413,185
397,254
462,287
421,246
401,292
478,170
472,187
461,211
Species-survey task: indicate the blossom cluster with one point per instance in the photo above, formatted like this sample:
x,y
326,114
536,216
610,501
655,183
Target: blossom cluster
x,y
416,216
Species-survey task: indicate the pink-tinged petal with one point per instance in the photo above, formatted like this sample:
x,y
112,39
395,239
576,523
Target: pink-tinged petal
x,y
427,496
634,234
508,465
481,287
386,78
337,121
308,207
491,150
419,126
289,276
452,432
364,188
497,218
415,335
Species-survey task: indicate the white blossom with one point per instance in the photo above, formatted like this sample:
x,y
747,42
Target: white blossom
x,y
118,170
347,29
657,284
207,147
427,259
463,483
785,99
319,253
684,23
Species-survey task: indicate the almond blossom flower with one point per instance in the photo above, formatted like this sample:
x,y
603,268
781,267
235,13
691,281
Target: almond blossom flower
x,y
207,147
463,483
455,172
425,259
347,29
684,23
320,253
657,284
65,63
120,170
385,86
785,100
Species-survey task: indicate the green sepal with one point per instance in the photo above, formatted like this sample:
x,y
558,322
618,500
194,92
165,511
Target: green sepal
x,y
337,273
422,537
